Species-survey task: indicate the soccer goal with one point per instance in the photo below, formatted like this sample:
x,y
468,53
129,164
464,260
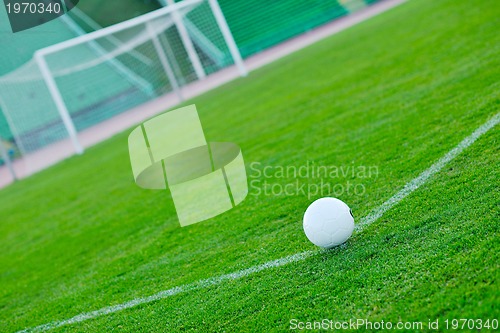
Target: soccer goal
x,y
71,86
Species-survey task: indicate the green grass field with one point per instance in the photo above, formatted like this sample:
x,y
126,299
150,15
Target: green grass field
x,y
397,92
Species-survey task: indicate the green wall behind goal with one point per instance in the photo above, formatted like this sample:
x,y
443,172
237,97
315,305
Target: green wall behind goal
x,y
259,24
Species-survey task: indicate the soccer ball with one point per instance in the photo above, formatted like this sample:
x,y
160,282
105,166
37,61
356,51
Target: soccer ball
x,y
328,222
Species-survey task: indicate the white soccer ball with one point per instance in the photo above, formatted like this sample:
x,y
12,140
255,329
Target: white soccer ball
x,y
328,222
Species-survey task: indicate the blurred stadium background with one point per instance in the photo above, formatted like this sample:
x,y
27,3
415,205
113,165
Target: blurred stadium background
x,y
144,58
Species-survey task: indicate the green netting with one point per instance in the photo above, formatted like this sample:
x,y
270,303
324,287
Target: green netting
x,y
260,24
21,47
100,77
257,25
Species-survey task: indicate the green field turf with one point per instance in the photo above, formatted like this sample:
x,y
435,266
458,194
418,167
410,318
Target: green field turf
x,y
397,92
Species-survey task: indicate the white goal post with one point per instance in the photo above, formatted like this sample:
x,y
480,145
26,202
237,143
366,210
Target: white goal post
x,y
80,82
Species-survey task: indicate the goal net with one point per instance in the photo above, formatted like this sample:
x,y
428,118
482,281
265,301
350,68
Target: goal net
x,y
71,86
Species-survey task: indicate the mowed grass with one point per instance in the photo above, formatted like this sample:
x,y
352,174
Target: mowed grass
x,y
396,92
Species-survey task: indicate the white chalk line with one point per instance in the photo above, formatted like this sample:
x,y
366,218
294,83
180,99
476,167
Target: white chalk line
x,y
369,219
424,176
171,292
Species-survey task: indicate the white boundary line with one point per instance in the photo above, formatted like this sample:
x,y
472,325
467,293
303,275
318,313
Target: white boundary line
x,y
424,176
369,219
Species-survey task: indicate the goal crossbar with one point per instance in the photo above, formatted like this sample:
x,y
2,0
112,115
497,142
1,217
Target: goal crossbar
x,y
77,83
116,28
